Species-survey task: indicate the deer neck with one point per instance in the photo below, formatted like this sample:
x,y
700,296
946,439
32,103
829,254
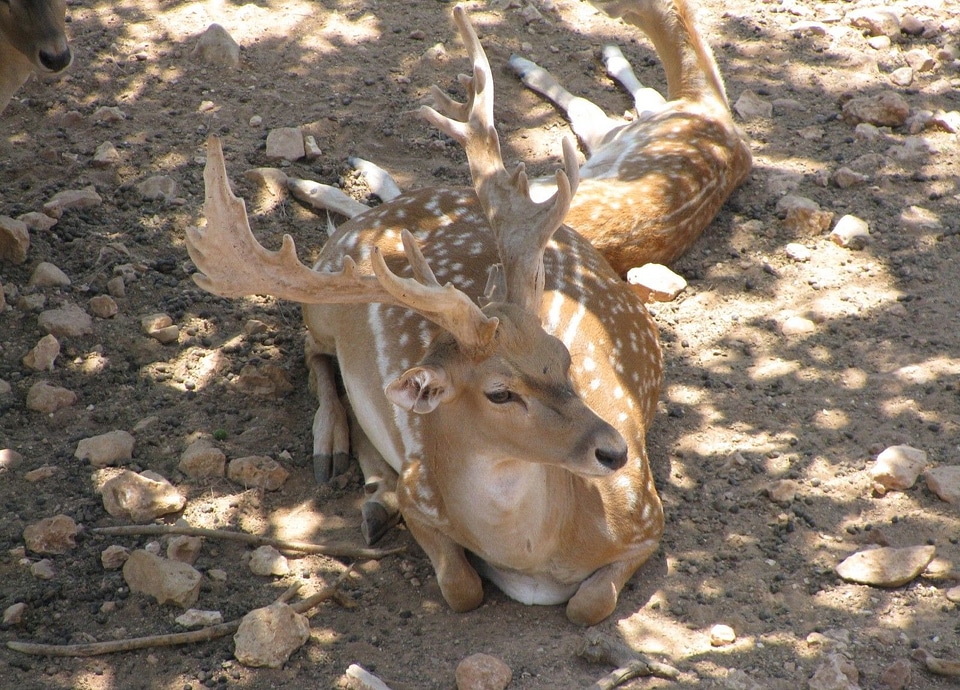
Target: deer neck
x,y
14,70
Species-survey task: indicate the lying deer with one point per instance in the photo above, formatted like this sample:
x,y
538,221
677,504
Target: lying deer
x,y
650,186
515,432
32,39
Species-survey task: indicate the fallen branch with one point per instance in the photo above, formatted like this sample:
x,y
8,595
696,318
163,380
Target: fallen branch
x,y
336,549
172,639
601,649
940,667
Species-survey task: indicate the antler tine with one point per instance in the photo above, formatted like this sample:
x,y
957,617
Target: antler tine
x,y
522,226
233,264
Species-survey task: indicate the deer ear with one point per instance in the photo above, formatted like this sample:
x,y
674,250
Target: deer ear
x,y
420,389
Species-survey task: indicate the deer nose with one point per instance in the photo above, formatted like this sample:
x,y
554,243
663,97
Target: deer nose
x,y
56,62
612,458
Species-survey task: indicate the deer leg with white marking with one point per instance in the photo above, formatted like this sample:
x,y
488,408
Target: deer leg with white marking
x,y
646,101
331,432
596,598
323,197
588,121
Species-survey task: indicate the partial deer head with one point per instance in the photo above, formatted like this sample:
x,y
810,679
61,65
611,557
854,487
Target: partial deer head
x,y
32,39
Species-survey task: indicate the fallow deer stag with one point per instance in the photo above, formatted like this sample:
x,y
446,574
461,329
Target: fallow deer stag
x,y
517,429
651,186
32,39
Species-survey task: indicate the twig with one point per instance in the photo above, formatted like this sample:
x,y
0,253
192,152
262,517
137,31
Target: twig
x,y
941,667
601,649
172,639
336,549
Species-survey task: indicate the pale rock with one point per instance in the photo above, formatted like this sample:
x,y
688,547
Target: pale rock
x,y
797,325
782,491
944,481
52,535
9,459
887,566
850,232
947,121
845,178
311,148
117,287
114,556
897,468
285,143
71,199
919,219
953,594
782,106
69,321
866,132
896,676
255,121
184,548
14,240
266,560
103,306
655,283
722,635
869,163
43,354
255,327
160,327
217,47
217,575
48,275
803,216
812,133
886,109
877,21
140,498
919,120
111,448
158,188
257,471
738,679
13,614
46,398
36,221
809,28
43,569
267,380
750,106
902,76
781,182
920,60
268,636
202,459
837,672
797,252
108,114
879,43
40,474
169,582
914,149
912,25
482,672
195,618
106,155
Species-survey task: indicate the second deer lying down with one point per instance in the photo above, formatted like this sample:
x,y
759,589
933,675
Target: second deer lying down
x,y
32,39
518,429
651,186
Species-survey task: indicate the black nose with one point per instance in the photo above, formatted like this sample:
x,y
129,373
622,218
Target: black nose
x,y
56,62
612,458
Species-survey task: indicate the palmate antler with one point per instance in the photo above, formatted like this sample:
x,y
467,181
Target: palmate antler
x,y
522,226
232,263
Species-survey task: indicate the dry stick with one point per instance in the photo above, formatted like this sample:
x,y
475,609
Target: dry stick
x,y
341,550
203,635
941,667
601,649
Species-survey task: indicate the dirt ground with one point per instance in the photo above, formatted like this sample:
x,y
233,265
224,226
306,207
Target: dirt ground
x,y
743,404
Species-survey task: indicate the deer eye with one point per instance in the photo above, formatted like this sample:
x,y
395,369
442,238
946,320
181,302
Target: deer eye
x,y
502,396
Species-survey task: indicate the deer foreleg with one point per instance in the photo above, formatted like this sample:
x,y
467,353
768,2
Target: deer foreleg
x,y
596,598
331,432
323,197
380,510
380,182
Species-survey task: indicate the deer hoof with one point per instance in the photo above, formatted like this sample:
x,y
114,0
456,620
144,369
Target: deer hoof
x,y
327,467
376,522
